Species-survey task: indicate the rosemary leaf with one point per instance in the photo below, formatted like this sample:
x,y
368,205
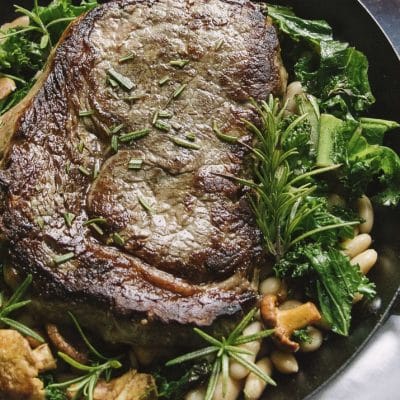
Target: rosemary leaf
x,y
63,258
86,113
96,228
184,143
179,63
135,163
165,79
162,126
128,57
114,143
128,137
68,218
179,91
222,136
146,206
122,80
118,239
97,220
84,170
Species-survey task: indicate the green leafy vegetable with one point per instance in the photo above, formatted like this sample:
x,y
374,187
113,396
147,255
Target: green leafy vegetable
x,y
302,336
279,192
176,388
329,278
333,71
25,50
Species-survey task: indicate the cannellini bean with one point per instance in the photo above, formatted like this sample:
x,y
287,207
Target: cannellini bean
x,y
270,285
254,386
366,212
289,304
365,260
284,362
315,343
292,90
233,389
7,86
196,394
355,246
238,371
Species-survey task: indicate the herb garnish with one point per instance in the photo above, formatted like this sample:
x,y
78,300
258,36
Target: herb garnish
x,y
68,218
179,91
122,80
190,136
128,137
146,206
83,170
86,113
116,129
96,228
135,163
114,143
63,258
222,136
128,57
86,384
118,239
219,44
14,303
162,126
165,79
184,143
97,220
224,350
179,63
279,201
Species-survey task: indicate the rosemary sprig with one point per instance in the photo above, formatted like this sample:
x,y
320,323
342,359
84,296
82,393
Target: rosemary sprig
x,y
184,143
14,303
128,137
85,385
279,195
68,218
127,57
165,79
226,349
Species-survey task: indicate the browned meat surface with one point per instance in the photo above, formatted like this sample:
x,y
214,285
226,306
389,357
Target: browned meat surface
x,y
187,242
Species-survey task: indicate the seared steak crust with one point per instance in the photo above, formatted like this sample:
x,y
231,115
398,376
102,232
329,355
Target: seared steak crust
x,y
189,241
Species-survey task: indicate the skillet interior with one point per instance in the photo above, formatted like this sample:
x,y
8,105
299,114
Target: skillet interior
x,y
351,22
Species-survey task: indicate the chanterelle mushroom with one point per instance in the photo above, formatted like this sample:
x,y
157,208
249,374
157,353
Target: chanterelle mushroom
x,y
286,322
130,386
20,366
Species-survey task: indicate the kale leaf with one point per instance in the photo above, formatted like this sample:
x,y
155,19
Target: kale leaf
x,y
329,278
23,52
175,388
332,71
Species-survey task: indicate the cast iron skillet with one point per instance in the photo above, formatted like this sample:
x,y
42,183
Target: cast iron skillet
x,y
352,23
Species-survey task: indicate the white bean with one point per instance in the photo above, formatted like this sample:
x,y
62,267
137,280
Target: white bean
x,y
290,304
365,260
284,362
315,343
233,389
292,90
366,212
270,285
236,370
196,394
355,246
254,386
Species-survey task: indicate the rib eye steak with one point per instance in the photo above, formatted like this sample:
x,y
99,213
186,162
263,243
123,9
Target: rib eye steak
x,y
112,194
